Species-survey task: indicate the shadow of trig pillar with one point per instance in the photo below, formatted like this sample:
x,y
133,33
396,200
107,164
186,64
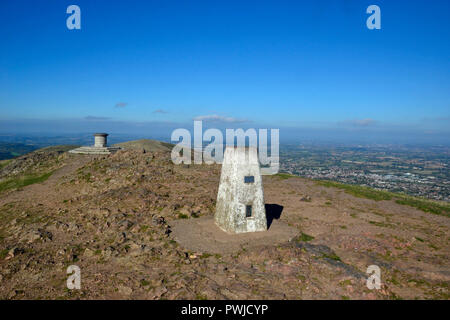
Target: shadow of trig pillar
x,y
240,199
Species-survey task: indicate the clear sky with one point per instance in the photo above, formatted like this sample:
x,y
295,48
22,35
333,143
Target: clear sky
x,y
296,64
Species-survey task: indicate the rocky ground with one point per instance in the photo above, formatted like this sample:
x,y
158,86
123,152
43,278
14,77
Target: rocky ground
x,y
112,216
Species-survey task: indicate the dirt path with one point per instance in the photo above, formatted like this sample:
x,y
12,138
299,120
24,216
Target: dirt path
x,y
191,234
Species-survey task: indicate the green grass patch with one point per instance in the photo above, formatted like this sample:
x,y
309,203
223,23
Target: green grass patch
x,y
332,256
431,206
284,176
4,163
183,216
305,237
3,253
145,283
358,191
381,224
86,177
345,283
439,208
200,296
23,181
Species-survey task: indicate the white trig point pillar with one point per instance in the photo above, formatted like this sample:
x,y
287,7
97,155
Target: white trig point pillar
x,y
240,199
100,139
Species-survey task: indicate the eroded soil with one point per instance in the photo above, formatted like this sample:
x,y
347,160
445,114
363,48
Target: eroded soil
x,y
112,217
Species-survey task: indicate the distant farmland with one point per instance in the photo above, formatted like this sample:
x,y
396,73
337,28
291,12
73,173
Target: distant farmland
x,y
12,150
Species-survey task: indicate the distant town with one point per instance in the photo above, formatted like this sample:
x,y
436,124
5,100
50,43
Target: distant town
x,y
414,170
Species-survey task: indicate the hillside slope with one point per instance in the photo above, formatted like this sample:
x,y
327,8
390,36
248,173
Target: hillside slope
x,y
112,217
145,144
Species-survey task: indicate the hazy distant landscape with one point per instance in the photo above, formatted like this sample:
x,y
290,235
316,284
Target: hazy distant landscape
x,y
14,145
12,150
415,170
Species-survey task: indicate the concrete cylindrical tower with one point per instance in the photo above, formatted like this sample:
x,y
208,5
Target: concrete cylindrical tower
x,y
100,139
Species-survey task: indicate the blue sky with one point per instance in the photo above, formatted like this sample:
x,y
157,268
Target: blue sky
x,y
293,64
